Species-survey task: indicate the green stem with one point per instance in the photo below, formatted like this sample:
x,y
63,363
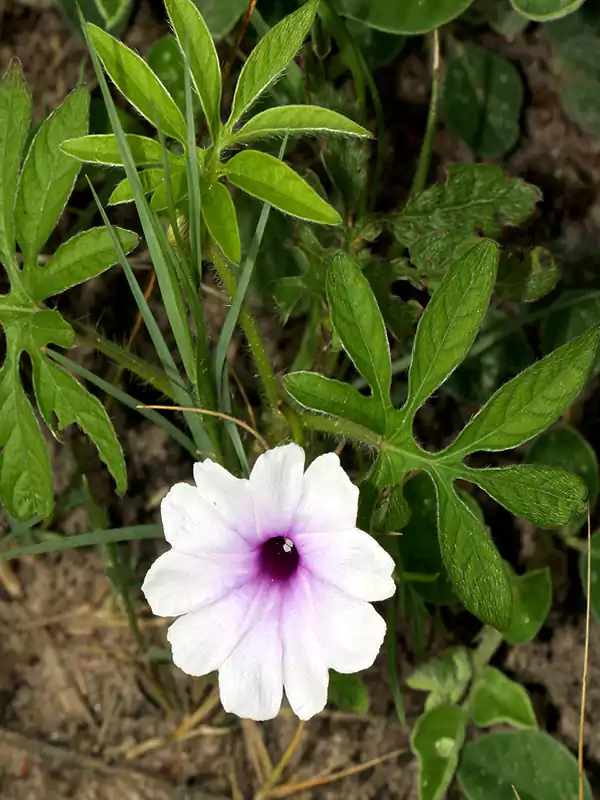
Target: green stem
x,y
251,332
420,179
392,658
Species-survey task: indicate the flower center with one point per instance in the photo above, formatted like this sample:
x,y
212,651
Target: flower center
x,y
279,558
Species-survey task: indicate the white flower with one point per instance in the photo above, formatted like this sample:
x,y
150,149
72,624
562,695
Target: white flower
x,y
271,581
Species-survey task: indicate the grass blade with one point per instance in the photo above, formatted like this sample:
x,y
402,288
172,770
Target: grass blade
x,y
56,541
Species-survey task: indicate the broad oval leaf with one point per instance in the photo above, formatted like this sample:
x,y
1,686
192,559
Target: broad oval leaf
x,y
218,212
134,78
348,693
546,496
565,323
358,322
270,57
532,598
451,320
103,149
527,404
48,175
564,447
82,257
546,10
403,16
581,104
477,572
436,740
272,181
535,764
15,111
497,700
335,398
192,33
57,391
297,119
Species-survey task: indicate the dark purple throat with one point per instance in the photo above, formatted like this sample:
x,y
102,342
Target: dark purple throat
x,y
279,558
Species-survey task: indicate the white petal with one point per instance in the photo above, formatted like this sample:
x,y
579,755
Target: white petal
x,y
276,484
178,582
193,525
351,632
305,673
329,499
251,681
202,640
351,560
230,496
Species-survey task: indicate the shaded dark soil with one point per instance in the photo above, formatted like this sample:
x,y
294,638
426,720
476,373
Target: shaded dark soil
x,y
76,717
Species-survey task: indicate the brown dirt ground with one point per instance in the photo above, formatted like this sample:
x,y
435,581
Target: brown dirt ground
x,y
76,716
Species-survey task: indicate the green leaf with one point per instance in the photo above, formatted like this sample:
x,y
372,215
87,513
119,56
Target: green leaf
x,y
82,257
445,679
419,546
179,189
190,27
546,10
218,212
535,764
49,175
272,181
134,78
474,565
15,111
358,322
475,198
433,254
532,598
408,16
483,97
595,574
150,179
451,320
563,324
166,62
581,103
348,693
546,496
564,447
527,277
221,15
25,475
103,149
436,740
269,58
523,407
59,392
297,120
498,700
328,396
580,53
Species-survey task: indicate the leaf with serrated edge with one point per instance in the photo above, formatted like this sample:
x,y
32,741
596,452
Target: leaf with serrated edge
x,y
529,403
82,257
328,396
15,110
357,320
49,175
103,149
57,391
134,78
269,58
436,741
25,474
497,700
193,34
272,181
546,496
476,198
474,566
218,212
297,120
451,320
